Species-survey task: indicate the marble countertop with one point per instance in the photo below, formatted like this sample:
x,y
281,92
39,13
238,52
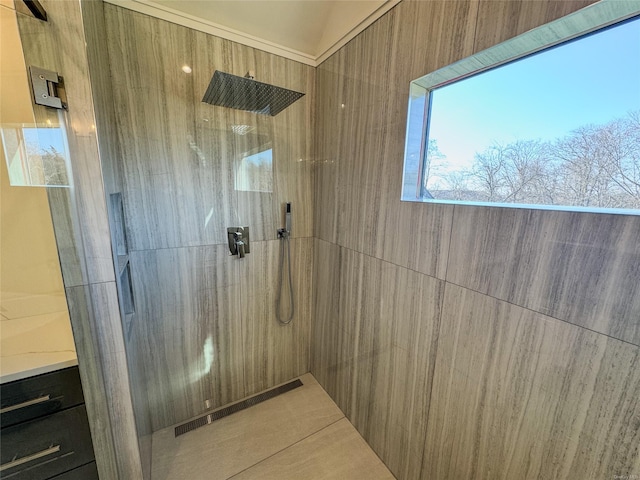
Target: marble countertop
x,y
35,345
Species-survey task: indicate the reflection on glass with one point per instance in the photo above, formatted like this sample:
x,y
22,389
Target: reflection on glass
x,y
255,171
36,156
34,320
34,144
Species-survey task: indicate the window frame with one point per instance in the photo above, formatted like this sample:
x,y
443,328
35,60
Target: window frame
x,y
585,21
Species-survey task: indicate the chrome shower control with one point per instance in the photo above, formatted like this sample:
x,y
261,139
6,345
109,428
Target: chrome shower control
x,y
238,238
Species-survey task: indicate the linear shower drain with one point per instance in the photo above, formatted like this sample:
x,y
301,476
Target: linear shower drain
x,y
236,407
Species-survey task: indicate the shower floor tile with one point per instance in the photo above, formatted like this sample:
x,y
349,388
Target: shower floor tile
x,y
301,434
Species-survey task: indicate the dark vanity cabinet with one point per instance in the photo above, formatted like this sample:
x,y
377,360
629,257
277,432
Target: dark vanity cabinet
x,y
44,429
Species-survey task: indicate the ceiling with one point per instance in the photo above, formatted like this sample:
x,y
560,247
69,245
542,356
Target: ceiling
x,y
304,30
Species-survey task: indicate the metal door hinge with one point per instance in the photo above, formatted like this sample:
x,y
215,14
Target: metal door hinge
x,y
37,9
48,88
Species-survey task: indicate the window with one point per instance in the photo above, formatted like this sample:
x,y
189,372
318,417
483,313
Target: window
x,y
35,155
255,171
537,121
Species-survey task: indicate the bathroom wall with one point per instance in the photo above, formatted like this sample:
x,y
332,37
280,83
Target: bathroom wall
x,y
464,342
204,320
100,73
81,229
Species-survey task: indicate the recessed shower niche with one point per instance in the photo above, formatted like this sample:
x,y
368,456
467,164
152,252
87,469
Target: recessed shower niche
x,y
121,261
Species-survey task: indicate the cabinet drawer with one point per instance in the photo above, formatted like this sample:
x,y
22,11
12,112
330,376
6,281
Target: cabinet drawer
x,y
46,447
35,397
85,472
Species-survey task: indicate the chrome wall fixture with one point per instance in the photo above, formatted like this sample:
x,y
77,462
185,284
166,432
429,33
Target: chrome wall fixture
x,y
238,238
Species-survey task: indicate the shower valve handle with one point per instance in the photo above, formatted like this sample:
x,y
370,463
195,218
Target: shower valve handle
x,y
238,240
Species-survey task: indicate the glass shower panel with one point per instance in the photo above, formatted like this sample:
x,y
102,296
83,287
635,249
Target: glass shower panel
x,y
36,151
34,314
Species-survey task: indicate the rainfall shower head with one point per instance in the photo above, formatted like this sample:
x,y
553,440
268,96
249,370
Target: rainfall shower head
x,y
244,93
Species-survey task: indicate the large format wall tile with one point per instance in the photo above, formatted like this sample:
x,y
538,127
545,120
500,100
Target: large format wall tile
x,y
500,20
274,353
138,378
207,327
327,355
100,73
579,268
185,177
90,366
583,268
204,320
103,369
362,95
188,311
520,395
375,354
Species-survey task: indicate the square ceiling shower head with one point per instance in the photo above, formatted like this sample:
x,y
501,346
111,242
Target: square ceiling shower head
x,y
244,93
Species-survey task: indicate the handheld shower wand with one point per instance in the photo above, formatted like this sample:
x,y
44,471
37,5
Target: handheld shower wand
x,y
287,218
284,235
286,231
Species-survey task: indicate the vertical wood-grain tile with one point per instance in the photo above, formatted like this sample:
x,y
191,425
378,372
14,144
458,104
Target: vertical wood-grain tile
x,y
156,128
181,162
113,359
328,146
362,116
582,268
139,375
326,365
188,304
106,127
520,395
91,373
274,353
499,20
376,354
66,227
105,378
399,325
181,170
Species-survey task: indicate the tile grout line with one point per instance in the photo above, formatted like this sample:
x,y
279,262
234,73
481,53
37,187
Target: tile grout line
x,y
544,314
383,260
209,245
486,294
287,447
431,372
446,268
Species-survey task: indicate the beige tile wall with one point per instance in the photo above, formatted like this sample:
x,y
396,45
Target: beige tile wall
x,y
205,321
464,342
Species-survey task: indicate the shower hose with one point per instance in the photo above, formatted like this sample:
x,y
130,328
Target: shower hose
x,y
284,239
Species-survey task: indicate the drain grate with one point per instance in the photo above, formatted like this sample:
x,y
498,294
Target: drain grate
x,y
236,407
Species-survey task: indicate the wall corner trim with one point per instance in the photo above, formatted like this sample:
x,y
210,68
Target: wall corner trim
x,y
172,15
